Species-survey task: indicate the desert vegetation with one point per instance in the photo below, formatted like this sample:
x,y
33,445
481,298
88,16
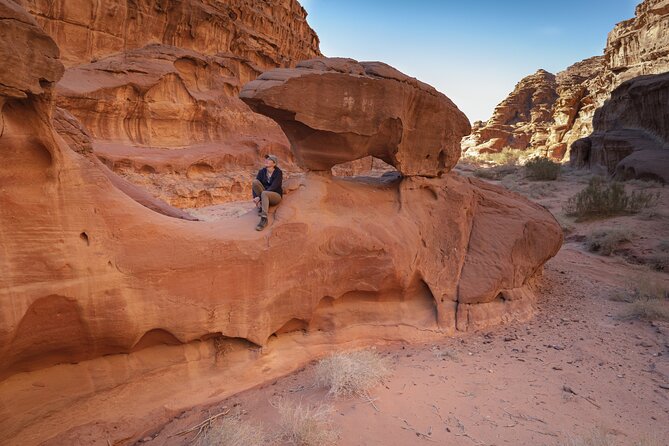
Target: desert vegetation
x,y
306,425
602,198
542,169
352,373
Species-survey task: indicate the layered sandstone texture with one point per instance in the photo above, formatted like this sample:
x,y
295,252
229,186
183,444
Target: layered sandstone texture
x,y
337,110
155,85
631,132
634,47
115,317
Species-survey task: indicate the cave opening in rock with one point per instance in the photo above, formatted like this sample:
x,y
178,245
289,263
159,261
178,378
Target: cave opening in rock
x,y
368,166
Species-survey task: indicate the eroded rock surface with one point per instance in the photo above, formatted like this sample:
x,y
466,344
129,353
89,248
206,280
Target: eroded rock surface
x,y
339,110
155,85
520,121
114,317
264,34
631,132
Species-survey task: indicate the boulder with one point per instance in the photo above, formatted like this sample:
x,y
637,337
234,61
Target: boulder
x,y
339,110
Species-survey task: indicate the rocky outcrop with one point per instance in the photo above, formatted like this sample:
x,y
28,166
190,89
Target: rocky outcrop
x,y
520,121
634,47
167,120
264,34
631,132
155,85
105,304
339,110
639,46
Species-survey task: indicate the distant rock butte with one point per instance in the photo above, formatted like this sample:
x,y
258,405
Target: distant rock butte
x,y
634,47
116,318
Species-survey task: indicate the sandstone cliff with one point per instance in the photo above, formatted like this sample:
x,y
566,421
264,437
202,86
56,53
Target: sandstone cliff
x,y
631,132
105,305
155,86
634,47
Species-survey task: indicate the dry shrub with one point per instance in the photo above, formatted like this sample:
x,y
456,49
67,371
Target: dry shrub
x,y
494,172
566,224
542,169
605,241
444,353
352,373
602,438
648,299
597,438
232,431
303,425
602,199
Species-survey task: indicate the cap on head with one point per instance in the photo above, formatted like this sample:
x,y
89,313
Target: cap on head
x,y
273,158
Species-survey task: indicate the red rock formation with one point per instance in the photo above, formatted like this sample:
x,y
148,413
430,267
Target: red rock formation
x,y
338,110
520,121
634,47
640,45
264,34
165,119
106,305
144,77
631,132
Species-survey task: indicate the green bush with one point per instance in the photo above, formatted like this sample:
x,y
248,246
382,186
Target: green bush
x,y
542,169
603,199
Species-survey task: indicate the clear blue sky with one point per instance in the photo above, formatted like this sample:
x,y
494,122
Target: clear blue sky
x,y
473,51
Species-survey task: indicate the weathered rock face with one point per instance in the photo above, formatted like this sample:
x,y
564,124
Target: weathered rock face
x,y
639,46
264,34
518,122
165,119
105,304
634,47
155,85
631,132
339,110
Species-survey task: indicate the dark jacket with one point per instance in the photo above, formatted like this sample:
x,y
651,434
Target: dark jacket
x,y
274,183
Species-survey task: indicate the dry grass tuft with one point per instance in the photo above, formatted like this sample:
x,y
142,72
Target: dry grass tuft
x,y
606,241
352,373
602,438
444,353
232,431
648,299
303,425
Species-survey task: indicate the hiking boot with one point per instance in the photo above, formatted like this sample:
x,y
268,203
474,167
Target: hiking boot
x,y
259,210
262,224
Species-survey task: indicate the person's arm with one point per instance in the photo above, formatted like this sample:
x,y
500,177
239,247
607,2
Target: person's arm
x,y
275,185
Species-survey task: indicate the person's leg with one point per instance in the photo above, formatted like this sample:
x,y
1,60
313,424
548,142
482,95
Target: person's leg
x,y
257,187
268,198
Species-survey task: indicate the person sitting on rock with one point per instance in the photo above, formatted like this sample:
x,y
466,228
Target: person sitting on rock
x,y
267,188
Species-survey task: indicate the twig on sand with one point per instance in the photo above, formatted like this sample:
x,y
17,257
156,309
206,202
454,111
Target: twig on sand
x,y
543,433
368,399
203,426
524,417
419,434
568,389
